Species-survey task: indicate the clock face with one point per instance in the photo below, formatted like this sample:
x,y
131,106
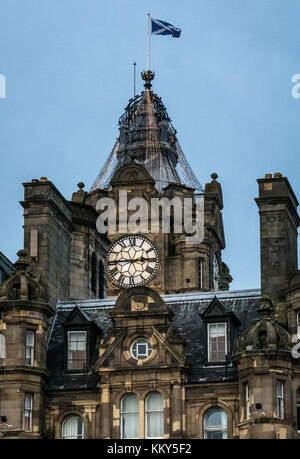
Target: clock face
x,y
132,261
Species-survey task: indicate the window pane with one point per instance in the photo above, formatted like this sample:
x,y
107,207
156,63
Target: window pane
x,y
212,329
217,342
130,403
130,425
215,424
76,350
214,435
28,412
141,349
279,389
28,400
29,338
155,424
2,347
154,415
130,416
215,418
73,428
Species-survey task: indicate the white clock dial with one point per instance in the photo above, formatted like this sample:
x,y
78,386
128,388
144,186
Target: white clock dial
x,y
132,261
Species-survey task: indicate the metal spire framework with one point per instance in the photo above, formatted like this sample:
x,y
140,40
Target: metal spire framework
x,y
147,134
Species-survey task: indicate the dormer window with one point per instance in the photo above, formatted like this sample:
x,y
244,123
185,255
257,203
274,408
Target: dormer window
x,y
217,342
76,350
81,336
221,330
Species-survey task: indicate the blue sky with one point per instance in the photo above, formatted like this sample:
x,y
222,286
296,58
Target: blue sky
x,y
226,83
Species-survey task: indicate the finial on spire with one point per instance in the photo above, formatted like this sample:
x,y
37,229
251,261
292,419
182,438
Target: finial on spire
x,y
148,76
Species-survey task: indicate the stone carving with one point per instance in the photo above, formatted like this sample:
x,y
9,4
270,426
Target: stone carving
x,y
23,284
266,333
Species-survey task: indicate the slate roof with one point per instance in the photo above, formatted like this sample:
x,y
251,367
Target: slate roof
x,y
186,308
6,264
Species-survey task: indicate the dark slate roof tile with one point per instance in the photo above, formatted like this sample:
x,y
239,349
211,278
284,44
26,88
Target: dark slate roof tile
x,y
186,308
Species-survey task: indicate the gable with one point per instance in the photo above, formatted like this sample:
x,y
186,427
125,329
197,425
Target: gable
x,y
76,318
215,308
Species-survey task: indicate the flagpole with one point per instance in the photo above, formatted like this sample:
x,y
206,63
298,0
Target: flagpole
x,y
148,43
134,78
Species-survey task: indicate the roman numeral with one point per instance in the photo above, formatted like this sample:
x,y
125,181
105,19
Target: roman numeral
x,y
113,271
121,279
131,281
149,270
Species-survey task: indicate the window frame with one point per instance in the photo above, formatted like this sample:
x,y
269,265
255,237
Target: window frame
x,y
154,411
247,401
2,346
209,360
77,370
101,279
63,424
148,344
94,273
30,347
298,324
129,412
280,400
30,410
200,272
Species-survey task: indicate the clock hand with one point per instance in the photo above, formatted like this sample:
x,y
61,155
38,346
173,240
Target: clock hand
x,y
118,261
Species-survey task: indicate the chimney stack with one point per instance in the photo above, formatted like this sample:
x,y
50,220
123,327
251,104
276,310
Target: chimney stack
x,y
279,221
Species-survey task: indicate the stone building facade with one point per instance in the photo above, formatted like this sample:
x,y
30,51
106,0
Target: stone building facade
x,y
135,334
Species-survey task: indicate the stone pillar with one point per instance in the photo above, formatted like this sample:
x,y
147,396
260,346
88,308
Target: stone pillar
x,y
105,412
123,134
176,410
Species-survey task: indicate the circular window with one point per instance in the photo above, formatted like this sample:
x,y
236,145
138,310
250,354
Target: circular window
x,y
141,349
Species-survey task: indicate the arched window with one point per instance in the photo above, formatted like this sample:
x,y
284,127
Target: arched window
x,y
215,424
94,273
154,415
101,280
130,416
2,347
73,428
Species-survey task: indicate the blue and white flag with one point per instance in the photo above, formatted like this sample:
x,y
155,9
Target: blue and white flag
x,y
159,27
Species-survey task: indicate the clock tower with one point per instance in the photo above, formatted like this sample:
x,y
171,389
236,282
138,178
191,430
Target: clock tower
x,y
146,166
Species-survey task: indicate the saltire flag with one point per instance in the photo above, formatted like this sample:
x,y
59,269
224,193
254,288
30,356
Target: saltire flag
x,y
159,27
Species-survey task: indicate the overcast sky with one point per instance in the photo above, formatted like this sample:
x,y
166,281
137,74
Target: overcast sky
x,y
226,83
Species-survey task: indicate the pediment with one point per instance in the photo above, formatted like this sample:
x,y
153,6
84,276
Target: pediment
x,y
215,308
77,317
131,173
141,300
112,350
